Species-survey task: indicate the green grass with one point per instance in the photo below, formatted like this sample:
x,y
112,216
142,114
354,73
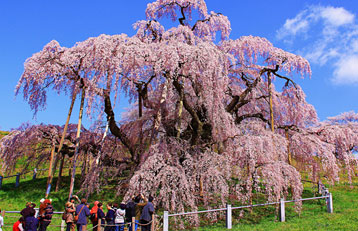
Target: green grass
x,y
14,199
312,217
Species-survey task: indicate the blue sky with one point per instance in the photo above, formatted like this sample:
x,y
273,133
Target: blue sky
x,y
325,32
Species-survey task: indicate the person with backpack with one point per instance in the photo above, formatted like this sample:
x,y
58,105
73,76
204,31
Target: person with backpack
x,y
45,216
146,216
120,217
82,212
31,223
110,218
93,212
69,216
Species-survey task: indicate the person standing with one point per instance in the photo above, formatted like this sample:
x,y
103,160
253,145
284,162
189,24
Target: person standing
x,y
110,218
93,211
18,225
30,207
31,223
130,212
70,216
1,221
100,217
46,216
146,216
82,212
120,217
138,208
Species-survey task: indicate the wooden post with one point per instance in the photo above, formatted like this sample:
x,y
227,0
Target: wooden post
x,y
1,177
282,210
166,221
35,173
99,225
133,223
74,94
289,157
329,201
3,213
270,100
228,217
77,147
17,183
153,223
49,179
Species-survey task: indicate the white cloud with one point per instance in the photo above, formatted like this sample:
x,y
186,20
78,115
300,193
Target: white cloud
x,y
326,35
346,71
294,26
337,16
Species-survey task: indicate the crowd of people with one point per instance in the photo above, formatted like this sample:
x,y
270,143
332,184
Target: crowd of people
x,y
77,214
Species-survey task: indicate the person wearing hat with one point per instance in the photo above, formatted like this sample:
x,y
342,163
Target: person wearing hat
x,y
30,207
45,214
70,210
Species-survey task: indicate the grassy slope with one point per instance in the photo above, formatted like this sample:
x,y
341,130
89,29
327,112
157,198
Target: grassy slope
x,y
14,199
313,216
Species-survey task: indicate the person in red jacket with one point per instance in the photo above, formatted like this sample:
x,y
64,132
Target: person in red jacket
x,y
19,225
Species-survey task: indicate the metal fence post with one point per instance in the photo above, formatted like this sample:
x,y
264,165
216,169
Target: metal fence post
x,y
17,184
1,177
35,172
63,225
329,201
228,217
282,210
166,221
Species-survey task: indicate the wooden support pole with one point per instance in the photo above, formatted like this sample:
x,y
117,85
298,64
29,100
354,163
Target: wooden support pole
x,y
49,179
228,217
72,184
133,223
34,175
270,100
153,223
17,183
282,210
74,94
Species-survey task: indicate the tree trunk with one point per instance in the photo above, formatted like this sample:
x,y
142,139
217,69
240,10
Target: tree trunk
x,y
77,144
63,140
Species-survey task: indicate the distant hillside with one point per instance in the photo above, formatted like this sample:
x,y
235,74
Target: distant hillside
x,y
3,133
